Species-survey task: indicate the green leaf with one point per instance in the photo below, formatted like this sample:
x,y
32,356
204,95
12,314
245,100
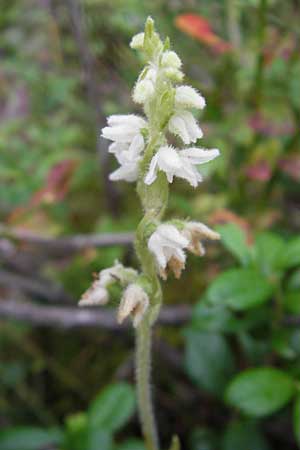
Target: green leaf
x,y
243,435
260,392
234,239
292,253
131,444
296,419
269,252
31,438
209,360
98,439
113,407
240,289
208,317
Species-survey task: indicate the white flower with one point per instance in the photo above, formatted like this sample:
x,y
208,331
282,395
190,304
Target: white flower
x,y
129,158
194,232
123,128
171,59
95,295
134,302
125,131
167,244
137,42
184,125
179,163
143,91
188,97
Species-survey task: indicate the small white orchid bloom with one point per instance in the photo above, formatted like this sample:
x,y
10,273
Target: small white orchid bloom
x,y
195,232
128,158
179,163
135,303
137,41
184,125
171,59
188,97
95,295
167,244
143,91
123,128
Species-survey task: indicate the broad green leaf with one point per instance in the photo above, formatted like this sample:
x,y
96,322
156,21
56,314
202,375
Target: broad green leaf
x,y
292,253
296,419
208,317
31,438
240,289
234,239
269,252
260,392
113,407
209,360
243,435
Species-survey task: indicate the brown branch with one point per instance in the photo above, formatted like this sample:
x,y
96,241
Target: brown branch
x,y
39,287
64,245
71,317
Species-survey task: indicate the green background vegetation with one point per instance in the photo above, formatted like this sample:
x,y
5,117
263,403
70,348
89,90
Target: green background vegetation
x,y
229,378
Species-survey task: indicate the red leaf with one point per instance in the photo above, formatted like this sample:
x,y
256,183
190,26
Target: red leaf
x,y
199,28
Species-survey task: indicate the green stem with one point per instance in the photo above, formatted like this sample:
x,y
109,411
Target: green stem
x,y
154,199
143,368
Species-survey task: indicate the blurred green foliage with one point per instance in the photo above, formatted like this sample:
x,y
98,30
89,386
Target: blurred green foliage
x,y
237,385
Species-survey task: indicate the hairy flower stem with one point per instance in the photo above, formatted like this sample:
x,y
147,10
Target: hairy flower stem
x,y
154,200
143,368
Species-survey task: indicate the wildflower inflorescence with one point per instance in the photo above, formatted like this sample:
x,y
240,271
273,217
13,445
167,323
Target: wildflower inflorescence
x,y
140,145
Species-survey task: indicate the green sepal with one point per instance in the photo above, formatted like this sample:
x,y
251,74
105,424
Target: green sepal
x,y
152,42
167,44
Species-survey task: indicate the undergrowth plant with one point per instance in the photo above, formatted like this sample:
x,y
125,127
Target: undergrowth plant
x,y
141,147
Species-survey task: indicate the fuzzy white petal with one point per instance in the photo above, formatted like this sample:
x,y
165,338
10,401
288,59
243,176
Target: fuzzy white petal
x,y
143,91
171,59
119,133
130,120
188,97
127,172
151,174
136,146
200,155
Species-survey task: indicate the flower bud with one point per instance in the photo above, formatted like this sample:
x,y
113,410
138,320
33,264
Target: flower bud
x,y
135,303
95,295
171,59
143,91
137,42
